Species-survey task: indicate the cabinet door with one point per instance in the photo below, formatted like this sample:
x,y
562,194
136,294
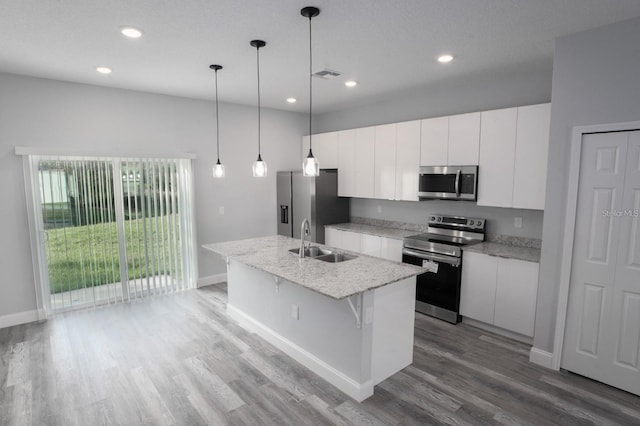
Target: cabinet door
x,y
347,163
516,294
385,161
532,146
478,288
434,141
365,157
391,249
333,237
407,160
351,241
370,245
464,139
497,152
325,149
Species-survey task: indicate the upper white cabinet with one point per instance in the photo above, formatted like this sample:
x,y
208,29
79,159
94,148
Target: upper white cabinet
x,y
434,141
385,161
450,141
497,151
464,139
347,163
407,160
325,149
364,162
513,157
532,146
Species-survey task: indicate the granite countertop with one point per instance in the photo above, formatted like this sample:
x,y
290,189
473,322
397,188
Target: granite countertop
x,y
530,254
379,231
335,280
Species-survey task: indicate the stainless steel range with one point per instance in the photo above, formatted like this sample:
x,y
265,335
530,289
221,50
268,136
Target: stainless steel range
x,y
439,253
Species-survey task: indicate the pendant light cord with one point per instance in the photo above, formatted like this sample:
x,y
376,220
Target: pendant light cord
x,y
217,119
258,66
310,86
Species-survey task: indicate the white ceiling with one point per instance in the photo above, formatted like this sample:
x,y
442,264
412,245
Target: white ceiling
x,y
387,46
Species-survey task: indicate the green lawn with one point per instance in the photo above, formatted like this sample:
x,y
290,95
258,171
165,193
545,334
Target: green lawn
x,y
88,255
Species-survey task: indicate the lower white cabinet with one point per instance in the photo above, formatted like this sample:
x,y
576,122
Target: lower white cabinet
x,y
499,291
371,245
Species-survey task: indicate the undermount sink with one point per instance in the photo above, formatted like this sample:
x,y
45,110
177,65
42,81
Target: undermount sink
x,y
313,251
325,255
335,257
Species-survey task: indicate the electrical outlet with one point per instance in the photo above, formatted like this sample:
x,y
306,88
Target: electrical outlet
x,y
221,210
295,312
379,209
518,222
368,315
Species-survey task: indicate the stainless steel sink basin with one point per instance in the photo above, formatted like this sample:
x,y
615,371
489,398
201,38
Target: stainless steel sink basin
x,y
313,251
335,257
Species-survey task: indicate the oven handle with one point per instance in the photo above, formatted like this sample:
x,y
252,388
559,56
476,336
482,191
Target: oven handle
x,y
455,261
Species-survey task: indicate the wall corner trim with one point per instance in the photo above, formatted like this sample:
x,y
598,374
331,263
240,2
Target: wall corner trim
x,y
19,318
211,279
540,357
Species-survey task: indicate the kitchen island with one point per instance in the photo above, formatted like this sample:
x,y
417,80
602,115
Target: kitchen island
x,y
349,322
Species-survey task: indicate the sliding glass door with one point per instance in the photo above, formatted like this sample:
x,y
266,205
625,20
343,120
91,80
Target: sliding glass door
x,y
112,229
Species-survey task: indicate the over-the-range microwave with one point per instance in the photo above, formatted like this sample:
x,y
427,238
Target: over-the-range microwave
x,y
448,183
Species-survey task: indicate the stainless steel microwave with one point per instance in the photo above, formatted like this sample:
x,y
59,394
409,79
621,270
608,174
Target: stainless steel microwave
x,y
448,183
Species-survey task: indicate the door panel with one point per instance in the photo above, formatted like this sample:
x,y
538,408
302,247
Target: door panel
x,y
602,336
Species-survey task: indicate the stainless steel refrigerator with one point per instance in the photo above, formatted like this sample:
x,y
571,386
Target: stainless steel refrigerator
x,y
314,198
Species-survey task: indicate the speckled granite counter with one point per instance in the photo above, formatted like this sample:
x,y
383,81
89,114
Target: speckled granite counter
x,y
530,254
336,280
379,231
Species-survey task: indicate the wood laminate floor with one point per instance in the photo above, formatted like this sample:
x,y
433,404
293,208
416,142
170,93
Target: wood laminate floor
x,y
177,359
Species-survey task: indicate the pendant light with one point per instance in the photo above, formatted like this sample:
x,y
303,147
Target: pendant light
x,y
310,165
259,167
218,169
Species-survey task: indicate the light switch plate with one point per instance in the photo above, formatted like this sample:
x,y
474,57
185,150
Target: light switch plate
x,y
517,222
221,210
295,312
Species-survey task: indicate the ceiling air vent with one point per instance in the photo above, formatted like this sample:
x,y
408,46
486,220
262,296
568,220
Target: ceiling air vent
x,y
327,74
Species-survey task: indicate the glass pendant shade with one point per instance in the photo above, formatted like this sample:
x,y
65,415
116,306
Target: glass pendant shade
x,y
310,166
218,170
259,168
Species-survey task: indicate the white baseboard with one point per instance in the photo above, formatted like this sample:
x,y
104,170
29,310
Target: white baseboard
x,y
211,279
19,318
357,391
497,330
540,357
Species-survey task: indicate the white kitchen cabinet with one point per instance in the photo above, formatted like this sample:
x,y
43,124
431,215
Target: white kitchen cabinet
x,y
407,160
497,155
347,163
370,245
333,237
464,139
385,161
391,249
478,288
351,241
365,162
532,146
325,149
434,141
516,293
499,291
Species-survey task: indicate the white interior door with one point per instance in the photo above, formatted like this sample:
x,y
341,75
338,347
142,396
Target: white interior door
x,y
602,336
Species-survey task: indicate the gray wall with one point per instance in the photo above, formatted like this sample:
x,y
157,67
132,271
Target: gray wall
x,y
482,92
82,118
596,79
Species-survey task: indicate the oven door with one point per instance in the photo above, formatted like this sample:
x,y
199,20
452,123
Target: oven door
x,y
448,182
438,288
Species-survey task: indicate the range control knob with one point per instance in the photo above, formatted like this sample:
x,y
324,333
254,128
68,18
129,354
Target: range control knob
x,y
471,223
439,219
433,218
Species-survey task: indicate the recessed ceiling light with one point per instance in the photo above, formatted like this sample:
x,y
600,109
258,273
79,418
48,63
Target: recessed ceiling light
x,y
291,100
351,83
445,58
104,70
131,32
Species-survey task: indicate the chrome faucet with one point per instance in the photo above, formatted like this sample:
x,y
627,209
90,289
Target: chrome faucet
x,y
304,231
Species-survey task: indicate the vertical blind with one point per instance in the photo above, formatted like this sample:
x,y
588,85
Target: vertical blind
x,y
113,229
